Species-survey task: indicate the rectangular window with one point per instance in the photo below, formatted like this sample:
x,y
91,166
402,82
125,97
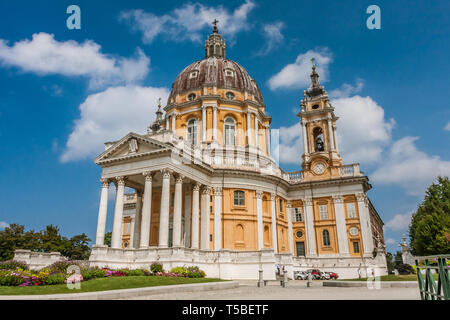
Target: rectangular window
x,y
239,198
210,207
351,212
323,210
281,205
356,247
298,215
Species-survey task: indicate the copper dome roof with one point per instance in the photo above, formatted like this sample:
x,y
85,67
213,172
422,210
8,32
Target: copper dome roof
x,y
211,72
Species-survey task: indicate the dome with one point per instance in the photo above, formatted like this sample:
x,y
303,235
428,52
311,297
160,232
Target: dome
x,y
215,72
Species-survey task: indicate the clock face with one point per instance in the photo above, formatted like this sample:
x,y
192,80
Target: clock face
x,y
319,168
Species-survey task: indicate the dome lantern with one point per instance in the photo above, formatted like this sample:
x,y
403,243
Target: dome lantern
x,y
215,45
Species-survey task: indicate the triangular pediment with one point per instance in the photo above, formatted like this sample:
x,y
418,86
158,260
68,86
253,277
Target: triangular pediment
x,y
132,145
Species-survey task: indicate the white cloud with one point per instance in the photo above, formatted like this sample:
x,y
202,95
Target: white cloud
x,y
399,222
363,132
3,225
44,55
410,168
188,21
447,127
296,75
346,90
109,115
273,36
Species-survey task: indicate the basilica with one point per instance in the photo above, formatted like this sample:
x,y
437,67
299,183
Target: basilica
x,y
208,192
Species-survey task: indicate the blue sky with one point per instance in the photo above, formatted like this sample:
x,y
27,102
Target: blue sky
x,y
64,92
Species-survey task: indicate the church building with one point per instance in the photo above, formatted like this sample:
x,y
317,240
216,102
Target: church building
x,y
209,193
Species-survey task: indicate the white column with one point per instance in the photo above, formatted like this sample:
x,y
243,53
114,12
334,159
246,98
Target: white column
x,y
340,225
305,140
217,218
167,122
309,226
330,133
195,216
214,123
259,219
335,139
174,117
102,212
274,223
204,238
364,219
116,238
268,140
256,131
137,221
164,214
203,123
249,129
177,204
187,218
146,211
290,231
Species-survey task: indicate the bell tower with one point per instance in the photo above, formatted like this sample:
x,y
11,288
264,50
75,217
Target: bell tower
x,y
321,158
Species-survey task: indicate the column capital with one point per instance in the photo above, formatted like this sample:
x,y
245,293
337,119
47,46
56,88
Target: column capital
x,y
178,178
217,191
206,190
196,186
120,180
360,197
288,204
259,194
166,173
338,199
273,196
308,201
148,175
105,182
215,107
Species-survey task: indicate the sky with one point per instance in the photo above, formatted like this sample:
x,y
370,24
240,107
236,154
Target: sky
x,y
64,92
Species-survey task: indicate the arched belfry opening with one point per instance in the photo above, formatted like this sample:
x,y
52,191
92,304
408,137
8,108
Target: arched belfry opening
x,y
319,144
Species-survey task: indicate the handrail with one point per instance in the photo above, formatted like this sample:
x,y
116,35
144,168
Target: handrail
x,y
429,290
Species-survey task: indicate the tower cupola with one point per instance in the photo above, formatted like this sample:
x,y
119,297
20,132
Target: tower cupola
x,y
215,45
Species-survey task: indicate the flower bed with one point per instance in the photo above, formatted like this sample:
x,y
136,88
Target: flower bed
x,y
13,273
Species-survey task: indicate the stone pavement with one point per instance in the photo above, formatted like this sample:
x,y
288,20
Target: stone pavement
x,y
295,290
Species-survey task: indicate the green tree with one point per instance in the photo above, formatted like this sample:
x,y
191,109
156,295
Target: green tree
x,y
107,240
77,247
431,221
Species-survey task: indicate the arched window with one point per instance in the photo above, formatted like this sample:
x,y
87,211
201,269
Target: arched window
x,y
266,235
192,131
318,139
239,198
230,95
326,238
217,50
191,97
211,50
230,131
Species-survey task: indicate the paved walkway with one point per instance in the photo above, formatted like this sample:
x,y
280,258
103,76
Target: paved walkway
x,y
295,290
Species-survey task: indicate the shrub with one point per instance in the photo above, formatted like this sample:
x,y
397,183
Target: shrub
x,y
61,266
405,269
195,275
55,278
156,267
11,278
182,271
136,272
13,265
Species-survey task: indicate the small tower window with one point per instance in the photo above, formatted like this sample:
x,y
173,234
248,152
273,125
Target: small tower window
x,y
318,139
229,73
191,97
230,95
316,106
193,74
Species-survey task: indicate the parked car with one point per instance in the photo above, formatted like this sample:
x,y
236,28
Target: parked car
x,y
300,275
315,274
329,275
333,275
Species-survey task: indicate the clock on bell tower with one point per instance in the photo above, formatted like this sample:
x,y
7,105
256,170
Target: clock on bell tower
x,y
321,157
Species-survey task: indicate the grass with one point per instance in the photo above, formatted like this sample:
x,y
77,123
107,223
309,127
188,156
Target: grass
x,y
392,277
103,284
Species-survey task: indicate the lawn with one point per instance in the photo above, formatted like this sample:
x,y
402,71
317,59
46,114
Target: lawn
x,y
392,277
102,284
